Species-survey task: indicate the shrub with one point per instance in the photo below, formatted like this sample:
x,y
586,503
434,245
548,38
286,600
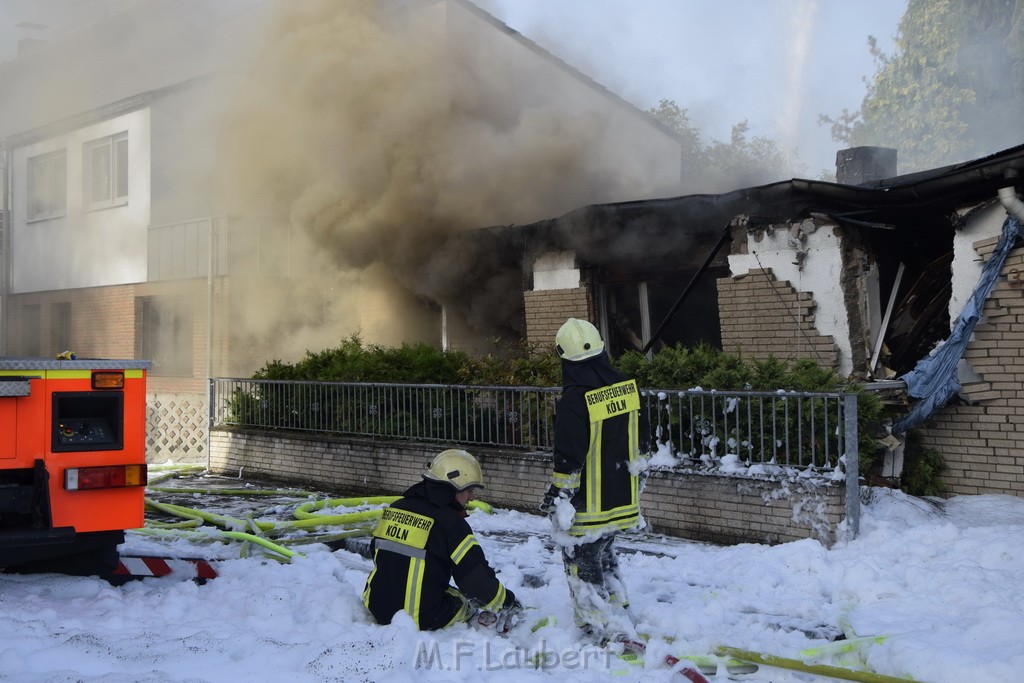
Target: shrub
x,y
922,468
524,364
351,361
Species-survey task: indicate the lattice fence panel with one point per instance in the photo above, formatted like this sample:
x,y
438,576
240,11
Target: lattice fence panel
x,y
176,427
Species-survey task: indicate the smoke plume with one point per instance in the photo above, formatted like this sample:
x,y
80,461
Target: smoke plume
x,y
381,130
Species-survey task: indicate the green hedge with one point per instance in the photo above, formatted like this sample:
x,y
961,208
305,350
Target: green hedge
x,y
524,364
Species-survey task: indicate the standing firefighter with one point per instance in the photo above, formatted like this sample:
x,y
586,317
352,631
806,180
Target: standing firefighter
x,y
599,429
422,541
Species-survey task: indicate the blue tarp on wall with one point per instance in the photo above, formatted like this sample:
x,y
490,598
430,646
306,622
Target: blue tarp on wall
x,y
934,379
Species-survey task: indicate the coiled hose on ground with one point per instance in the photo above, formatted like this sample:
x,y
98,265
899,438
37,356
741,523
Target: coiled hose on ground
x,y
254,529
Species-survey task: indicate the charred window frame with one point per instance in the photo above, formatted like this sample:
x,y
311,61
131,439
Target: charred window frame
x,y
105,175
634,304
165,335
922,242
47,186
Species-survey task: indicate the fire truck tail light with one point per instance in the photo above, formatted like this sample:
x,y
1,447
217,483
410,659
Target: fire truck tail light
x,y
104,477
108,380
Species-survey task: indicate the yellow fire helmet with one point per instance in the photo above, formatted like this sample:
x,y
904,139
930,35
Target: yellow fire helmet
x,y
458,468
578,340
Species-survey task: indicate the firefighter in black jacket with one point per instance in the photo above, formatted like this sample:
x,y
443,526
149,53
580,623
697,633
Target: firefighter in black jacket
x,y
422,541
599,430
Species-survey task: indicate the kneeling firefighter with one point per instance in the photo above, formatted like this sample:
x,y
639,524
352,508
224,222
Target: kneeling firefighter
x,y
423,541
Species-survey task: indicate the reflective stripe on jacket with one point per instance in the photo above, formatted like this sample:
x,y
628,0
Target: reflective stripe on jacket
x,y
599,427
420,544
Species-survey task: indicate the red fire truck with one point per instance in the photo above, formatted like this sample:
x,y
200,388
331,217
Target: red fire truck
x,y
72,462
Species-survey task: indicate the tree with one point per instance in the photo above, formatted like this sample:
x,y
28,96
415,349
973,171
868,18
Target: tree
x,y
722,166
952,90
676,118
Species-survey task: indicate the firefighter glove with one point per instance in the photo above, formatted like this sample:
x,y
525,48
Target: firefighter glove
x,y
509,616
555,493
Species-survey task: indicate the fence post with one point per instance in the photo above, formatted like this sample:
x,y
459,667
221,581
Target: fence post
x,y
852,466
211,410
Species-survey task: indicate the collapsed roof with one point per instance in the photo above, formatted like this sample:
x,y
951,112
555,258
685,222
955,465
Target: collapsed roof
x,y
630,230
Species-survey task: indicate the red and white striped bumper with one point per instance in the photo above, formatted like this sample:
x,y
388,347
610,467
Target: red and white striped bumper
x,y
162,566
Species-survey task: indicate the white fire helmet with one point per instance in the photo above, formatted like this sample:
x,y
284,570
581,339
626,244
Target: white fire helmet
x,y
458,468
578,340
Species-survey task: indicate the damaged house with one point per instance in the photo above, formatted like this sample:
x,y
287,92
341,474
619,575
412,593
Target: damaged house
x,y
114,242
867,276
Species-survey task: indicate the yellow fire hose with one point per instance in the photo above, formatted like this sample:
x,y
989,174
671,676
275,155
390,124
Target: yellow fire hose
x,y
217,535
254,531
798,665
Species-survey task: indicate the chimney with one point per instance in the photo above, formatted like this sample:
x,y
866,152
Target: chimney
x,y
860,165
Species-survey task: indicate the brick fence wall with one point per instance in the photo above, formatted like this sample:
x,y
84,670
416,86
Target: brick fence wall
x,y
982,440
688,505
762,316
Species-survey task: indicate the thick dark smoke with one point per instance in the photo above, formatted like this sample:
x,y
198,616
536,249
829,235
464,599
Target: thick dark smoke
x,y
383,129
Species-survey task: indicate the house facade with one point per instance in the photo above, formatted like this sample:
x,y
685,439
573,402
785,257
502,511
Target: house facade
x,y
116,242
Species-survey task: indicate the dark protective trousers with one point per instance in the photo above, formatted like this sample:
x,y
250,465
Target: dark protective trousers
x,y
600,602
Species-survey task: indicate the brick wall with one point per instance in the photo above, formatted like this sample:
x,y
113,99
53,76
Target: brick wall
x,y
546,311
102,321
105,324
982,440
763,317
699,507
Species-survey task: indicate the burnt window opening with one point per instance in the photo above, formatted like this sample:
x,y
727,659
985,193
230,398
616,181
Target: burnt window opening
x,y
633,305
920,316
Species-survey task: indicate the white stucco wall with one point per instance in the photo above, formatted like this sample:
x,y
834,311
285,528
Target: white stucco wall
x,y
967,264
820,275
556,270
84,248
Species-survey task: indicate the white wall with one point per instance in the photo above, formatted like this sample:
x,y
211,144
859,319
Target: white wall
x,y
556,270
967,264
85,248
820,275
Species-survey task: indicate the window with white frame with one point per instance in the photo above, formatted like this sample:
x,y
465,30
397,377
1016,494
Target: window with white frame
x,y
106,171
47,186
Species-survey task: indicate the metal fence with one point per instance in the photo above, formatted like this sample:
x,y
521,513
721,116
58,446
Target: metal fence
x,y
785,429
517,417
753,431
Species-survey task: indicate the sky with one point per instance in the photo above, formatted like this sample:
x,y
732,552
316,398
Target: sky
x,y
935,583
776,64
